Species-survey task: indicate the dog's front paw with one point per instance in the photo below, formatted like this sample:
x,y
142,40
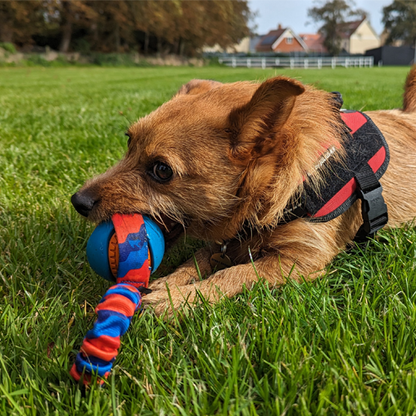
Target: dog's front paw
x,y
166,301
158,284
176,279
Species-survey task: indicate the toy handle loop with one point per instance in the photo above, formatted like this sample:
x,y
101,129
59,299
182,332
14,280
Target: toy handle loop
x,y
117,307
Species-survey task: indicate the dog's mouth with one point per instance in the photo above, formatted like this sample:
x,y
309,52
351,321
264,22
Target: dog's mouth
x,y
90,208
171,229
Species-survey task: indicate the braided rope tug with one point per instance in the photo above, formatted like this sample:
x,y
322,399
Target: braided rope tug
x,y
126,250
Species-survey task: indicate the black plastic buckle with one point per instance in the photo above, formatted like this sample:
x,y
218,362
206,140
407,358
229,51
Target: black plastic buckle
x,y
374,212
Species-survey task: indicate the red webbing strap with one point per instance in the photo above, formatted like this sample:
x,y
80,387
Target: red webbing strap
x,y
133,267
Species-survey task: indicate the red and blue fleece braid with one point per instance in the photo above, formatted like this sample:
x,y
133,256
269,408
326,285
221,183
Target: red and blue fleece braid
x,y
118,305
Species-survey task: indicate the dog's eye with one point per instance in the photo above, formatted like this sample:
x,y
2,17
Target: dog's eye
x,y
162,172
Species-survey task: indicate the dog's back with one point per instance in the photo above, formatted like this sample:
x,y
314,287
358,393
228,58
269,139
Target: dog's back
x,y
409,102
399,129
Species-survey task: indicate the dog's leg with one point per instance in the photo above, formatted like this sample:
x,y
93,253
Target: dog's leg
x,y
297,258
227,282
187,273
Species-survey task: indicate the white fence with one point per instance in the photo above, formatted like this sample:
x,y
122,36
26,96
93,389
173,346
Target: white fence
x,y
265,62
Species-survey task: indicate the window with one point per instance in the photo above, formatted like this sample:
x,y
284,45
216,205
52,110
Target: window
x,y
289,40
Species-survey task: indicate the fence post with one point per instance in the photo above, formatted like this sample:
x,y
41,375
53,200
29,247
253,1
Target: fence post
x,y
277,61
305,63
248,63
233,62
292,63
319,63
263,63
333,63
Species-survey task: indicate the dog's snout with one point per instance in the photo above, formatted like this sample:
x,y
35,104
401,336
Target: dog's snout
x,y
83,202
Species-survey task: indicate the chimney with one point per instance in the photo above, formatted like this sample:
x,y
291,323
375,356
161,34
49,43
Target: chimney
x,y
280,26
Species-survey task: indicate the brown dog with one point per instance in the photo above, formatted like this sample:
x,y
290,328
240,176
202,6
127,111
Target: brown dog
x,y
223,161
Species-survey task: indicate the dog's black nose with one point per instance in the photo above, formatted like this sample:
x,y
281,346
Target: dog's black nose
x,y
83,202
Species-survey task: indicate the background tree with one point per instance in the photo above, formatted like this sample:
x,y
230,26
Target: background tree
x,y
113,26
178,26
222,22
399,20
19,20
139,13
227,22
163,19
333,14
64,18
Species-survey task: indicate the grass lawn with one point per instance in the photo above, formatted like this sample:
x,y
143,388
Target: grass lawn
x,y
344,344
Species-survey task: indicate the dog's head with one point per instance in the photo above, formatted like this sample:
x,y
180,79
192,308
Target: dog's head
x,y
205,160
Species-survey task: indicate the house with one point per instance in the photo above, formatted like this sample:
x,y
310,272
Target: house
x,y
281,40
358,36
314,42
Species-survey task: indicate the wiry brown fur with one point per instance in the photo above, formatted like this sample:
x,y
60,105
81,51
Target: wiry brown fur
x,y
409,102
239,153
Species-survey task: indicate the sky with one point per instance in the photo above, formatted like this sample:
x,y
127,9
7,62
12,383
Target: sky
x,y
294,14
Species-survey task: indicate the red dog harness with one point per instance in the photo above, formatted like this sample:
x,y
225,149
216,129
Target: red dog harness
x,y
356,176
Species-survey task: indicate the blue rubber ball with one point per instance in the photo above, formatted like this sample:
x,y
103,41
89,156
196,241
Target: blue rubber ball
x,y
97,247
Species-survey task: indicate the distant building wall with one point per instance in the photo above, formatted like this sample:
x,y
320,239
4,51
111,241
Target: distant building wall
x,y
345,44
363,39
253,43
392,55
242,47
288,44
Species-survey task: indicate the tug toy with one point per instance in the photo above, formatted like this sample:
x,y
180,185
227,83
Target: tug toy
x,y
126,251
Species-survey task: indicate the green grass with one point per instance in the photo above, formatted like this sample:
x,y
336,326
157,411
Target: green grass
x,y
343,345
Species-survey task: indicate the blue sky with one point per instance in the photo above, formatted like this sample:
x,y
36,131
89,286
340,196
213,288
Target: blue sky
x,y
294,14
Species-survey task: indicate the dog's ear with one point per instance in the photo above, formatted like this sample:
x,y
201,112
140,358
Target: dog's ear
x,y
253,126
198,86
